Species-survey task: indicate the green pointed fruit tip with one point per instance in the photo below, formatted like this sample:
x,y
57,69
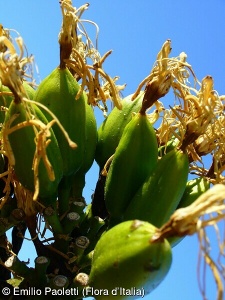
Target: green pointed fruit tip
x,y
169,146
111,129
194,188
6,97
126,262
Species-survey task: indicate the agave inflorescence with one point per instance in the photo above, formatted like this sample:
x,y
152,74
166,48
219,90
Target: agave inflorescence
x,y
190,128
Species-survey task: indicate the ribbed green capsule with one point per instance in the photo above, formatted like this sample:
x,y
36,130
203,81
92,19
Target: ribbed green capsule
x,y
135,158
125,259
22,142
73,185
111,130
5,101
160,194
6,97
169,146
58,93
89,152
194,188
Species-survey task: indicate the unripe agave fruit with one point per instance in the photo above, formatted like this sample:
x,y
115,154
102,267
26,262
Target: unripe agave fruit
x,y
91,138
89,152
5,99
125,257
22,143
111,129
159,195
58,93
135,159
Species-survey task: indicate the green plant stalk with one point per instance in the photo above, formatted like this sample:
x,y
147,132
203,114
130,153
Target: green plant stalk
x,y
86,260
41,265
18,267
17,215
70,221
97,226
78,207
80,245
52,219
64,190
79,283
78,185
59,282
86,221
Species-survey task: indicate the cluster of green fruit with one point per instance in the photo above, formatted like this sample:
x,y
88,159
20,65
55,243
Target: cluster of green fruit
x,y
49,141
142,181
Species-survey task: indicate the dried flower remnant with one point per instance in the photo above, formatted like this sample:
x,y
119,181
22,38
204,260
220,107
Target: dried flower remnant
x,y
24,199
168,73
158,82
197,117
207,128
206,211
11,73
12,67
200,111
197,122
98,85
3,33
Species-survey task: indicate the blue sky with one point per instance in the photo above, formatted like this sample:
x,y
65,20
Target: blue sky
x,y
135,31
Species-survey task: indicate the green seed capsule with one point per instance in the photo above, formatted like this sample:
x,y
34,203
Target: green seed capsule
x,y
125,257
135,159
161,192
22,143
6,97
58,93
111,130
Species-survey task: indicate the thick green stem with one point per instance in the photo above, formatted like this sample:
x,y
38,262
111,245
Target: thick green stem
x,y
64,191
18,267
59,282
78,185
52,218
41,265
70,221
79,283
